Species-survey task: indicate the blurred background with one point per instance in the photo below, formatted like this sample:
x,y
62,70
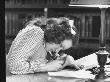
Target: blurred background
x,y
86,20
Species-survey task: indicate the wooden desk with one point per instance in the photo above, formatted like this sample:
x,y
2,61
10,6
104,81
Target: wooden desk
x,y
39,77
44,77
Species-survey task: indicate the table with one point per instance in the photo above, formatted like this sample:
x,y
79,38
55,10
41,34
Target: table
x,y
44,77
40,77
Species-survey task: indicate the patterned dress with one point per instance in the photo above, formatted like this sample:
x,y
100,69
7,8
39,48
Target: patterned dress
x,y
27,52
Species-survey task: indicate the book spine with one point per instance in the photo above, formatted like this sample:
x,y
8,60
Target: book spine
x,y
86,26
108,27
79,26
15,1
90,26
6,25
83,26
14,23
58,2
11,26
49,2
10,23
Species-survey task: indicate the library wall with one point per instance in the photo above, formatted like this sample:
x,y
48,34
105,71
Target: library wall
x,y
15,19
87,21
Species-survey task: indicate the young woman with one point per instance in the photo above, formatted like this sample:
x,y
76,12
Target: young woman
x,y
29,49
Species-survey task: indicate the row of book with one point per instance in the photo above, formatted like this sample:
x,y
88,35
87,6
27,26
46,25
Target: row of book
x,y
11,24
88,26
108,27
14,22
35,1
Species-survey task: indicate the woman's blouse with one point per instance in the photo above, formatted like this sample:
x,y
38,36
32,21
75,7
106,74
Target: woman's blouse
x,y
27,52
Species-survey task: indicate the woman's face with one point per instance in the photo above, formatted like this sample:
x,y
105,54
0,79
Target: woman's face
x,y
52,46
66,44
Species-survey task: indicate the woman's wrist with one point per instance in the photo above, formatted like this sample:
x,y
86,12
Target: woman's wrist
x,y
43,68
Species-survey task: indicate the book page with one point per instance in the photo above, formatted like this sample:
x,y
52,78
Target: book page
x,y
77,74
89,61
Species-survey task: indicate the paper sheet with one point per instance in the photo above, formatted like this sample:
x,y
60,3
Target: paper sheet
x,y
107,70
108,79
76,74
89,61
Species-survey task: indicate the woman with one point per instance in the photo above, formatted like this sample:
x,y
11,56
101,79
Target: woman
x,y
28,51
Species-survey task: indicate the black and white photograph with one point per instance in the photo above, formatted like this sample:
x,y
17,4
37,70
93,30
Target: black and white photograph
x,y
57,40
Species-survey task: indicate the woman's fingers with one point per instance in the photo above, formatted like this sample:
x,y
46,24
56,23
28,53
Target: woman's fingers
x,y
67,60
71,62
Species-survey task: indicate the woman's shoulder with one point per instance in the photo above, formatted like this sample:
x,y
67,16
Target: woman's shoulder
x,y
30,29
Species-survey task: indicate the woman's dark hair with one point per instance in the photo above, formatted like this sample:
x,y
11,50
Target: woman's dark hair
x,y
67,28
55,35
59,30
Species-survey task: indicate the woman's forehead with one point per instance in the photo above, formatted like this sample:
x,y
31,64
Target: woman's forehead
x,y
66,44
67,41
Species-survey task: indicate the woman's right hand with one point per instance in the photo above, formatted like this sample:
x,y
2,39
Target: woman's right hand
x,y
55,65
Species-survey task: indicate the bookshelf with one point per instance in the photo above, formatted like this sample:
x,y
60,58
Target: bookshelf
x,y
36,3
15,19
87,21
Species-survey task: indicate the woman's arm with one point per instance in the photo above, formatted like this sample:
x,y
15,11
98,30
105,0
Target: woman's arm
x,y
54,65
24,46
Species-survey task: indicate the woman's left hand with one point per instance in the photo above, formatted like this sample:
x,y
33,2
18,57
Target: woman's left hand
x,y
69,61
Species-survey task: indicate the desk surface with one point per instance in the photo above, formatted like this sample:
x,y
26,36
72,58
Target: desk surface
x,y
44,77
40,77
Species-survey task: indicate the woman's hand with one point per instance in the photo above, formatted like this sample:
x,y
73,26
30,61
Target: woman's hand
x,y
55,65
69,61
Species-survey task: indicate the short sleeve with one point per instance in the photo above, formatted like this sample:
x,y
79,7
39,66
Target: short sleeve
x,y
23,48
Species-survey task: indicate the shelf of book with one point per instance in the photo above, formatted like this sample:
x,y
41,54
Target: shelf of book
x,y
88,26
35,3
